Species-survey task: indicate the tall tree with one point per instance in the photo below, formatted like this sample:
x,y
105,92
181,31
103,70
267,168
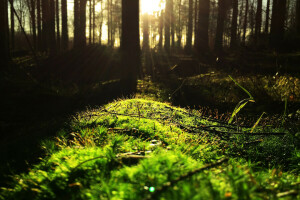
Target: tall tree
x,y
167,24
52,41
160,29
45,25
195,23
64,25
258,20
298,16
4,45
203,24
172,22
130,45
190,28
76,23
90,22
39,24
12,26
94,14
233,38
277,23
267,17
57,24
245,22
146,32
82,36
220,26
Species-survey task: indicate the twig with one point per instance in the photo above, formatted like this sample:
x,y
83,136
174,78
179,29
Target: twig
x,y
167,185
287,193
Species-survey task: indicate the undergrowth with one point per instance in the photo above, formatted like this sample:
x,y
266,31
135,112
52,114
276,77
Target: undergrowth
x,y
143,149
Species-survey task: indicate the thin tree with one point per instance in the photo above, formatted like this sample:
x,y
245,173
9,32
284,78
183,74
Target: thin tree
x,y
233,38
57,24
52,41
172,22
12,27
167,25
4,38
220,26
190,28
39,25
298,16
203,24
82,36
130,45
160,29
64,25
94,14
45,25
266,31
258,20
90,22
245,22
195,23
76,23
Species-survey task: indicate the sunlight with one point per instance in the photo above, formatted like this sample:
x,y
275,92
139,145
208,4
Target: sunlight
x,y
150,6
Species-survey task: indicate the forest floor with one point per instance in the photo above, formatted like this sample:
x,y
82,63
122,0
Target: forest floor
x,y
124,144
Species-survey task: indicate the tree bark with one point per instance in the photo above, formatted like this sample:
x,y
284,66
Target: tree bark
x,y
196,24
76,23
190,28
130,45
245,23
233,38
220,26
298,16
167,25
64,25
57,24
258,19
4,38
172,22
94,14
39,25
45,25
277,23
52,41
82,34
12,27
203,24
90,22
267,17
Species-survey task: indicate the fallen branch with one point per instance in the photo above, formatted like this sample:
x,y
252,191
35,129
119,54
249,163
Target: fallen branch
x,y
287,193
167,185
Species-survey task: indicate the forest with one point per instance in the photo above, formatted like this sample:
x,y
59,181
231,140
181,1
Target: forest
x,y
150,99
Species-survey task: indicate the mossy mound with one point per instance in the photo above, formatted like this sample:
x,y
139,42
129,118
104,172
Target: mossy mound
x,y
143,149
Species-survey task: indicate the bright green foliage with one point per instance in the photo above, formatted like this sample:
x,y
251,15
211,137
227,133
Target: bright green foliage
x,y
131,148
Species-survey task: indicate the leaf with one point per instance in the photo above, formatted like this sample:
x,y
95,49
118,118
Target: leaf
x,y
238,107
256,123
251,97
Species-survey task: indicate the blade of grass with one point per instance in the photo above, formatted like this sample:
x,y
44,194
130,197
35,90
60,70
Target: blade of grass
x,y
252,99
256,123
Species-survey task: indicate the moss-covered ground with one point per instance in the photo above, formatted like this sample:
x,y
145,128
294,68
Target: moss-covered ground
x,y
144,149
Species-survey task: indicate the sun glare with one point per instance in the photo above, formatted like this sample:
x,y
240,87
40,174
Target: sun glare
x,y
150,6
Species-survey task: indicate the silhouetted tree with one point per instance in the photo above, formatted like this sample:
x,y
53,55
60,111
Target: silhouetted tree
x,y
167,25
190,28
52,41
130,45
220,26
245,22
277,23
57,24
76,23
258,19
160,29
39,25
45,24
4,38
233,38
64,25
298,16
172,22
195,23
267,17
12,26
203,23
90,21
94,14
82,36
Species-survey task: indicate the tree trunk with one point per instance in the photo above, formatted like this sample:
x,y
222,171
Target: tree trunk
x,y
196,23
108,23
277,23
94,14
130,45
203,24
76,23
190,28
90,22
161,27
82,34
64,25
172,21
12,27
39,25
258,19
233,39
45,25
267,17
145,32
167,25
220,26
179,26
245,23
298,17
33,22
52,42
4,38
57,24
